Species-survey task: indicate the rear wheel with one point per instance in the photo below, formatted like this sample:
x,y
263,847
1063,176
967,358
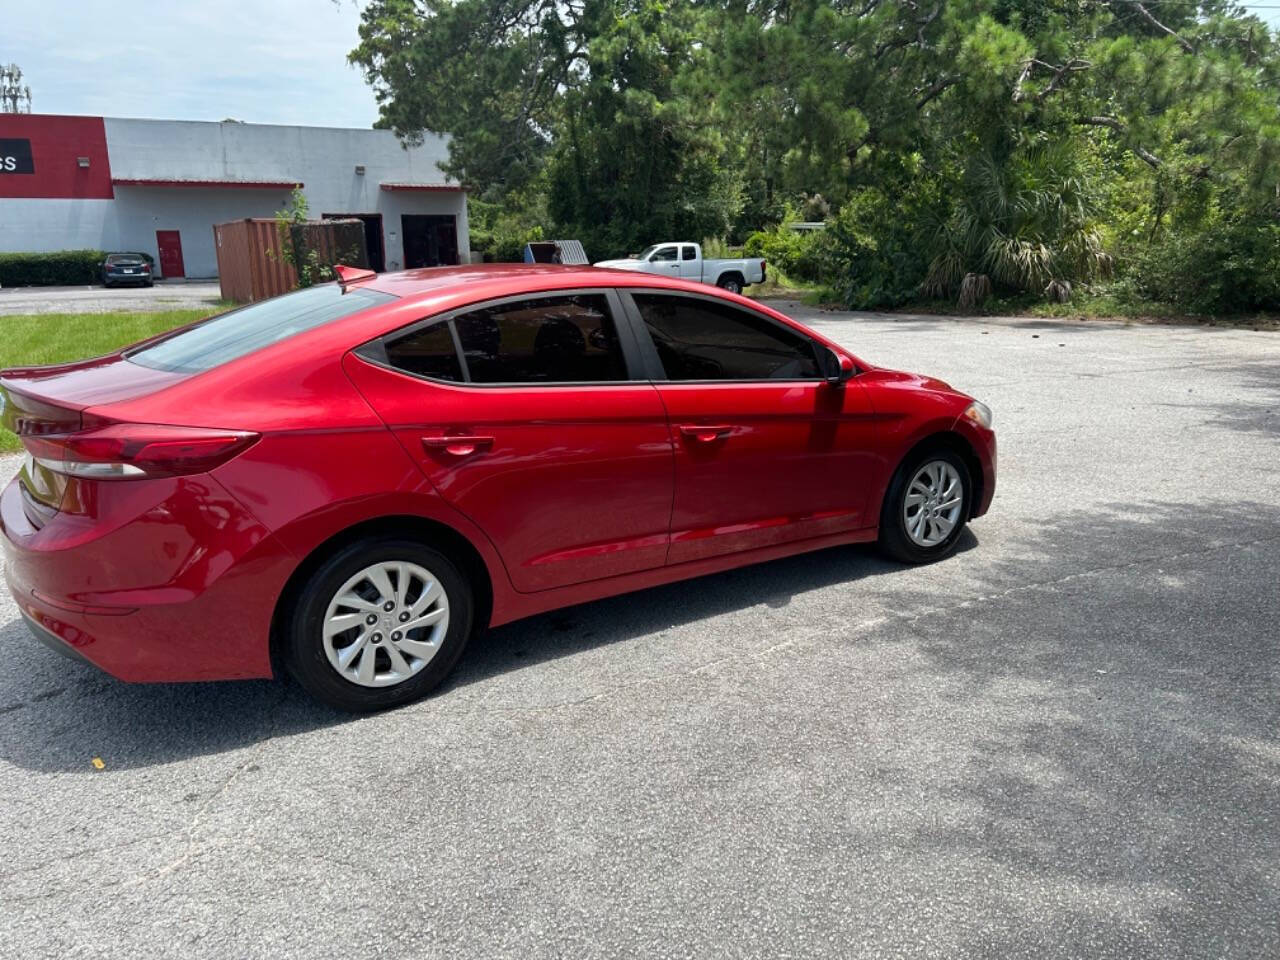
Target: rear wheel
x,y
379,624
926,507
731,282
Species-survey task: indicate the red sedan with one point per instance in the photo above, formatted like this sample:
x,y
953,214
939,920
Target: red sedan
x,y
347,481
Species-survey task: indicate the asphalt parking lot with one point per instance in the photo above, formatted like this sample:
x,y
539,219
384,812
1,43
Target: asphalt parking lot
x,y
1062,742
165,295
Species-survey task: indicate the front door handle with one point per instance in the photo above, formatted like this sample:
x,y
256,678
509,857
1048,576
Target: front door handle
x,y
704,433
457,446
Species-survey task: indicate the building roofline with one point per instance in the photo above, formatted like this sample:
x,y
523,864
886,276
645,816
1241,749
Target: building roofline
x,y
206,182
220,123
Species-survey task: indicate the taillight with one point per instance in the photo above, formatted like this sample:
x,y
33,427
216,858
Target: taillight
x,y
146,268
123,451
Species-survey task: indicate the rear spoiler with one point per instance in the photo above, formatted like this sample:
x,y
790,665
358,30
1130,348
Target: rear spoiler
x,y
349,275
24,414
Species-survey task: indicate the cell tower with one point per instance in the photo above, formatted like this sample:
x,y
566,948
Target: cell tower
x,y
14,96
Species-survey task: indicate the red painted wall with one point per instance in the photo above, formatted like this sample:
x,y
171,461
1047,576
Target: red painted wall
x,y
56,143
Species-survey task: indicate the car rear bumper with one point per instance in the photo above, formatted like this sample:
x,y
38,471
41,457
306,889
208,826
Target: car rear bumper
x,y
181,592
51,639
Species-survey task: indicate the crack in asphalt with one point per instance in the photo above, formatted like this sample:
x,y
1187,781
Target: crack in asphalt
x,y
194,825
190,831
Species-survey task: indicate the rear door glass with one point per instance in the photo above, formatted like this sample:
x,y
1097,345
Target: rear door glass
x,y
564,339
230,336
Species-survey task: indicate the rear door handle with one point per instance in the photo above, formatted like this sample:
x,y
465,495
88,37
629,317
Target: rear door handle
x,y
704,433
457,446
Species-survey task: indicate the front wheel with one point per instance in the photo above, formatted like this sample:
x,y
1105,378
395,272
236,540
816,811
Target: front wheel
x,y
380,623
926,507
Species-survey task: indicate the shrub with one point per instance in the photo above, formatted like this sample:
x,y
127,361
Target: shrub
x,y
875,256
801,255
509,247
1228,266
1027,222
60,268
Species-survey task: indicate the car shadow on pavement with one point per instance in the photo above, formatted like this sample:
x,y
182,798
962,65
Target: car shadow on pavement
x,y
571,630
57,714
1127,769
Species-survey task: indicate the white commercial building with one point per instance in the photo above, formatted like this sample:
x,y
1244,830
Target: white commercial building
x,y
159,186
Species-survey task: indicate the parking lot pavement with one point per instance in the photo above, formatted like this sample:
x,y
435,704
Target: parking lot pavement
x,y
165,295
1062,742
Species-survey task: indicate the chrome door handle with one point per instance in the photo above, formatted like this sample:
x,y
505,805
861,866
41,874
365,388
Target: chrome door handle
x,y
703,433
457,446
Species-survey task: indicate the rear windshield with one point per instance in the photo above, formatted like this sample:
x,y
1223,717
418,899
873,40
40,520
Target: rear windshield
x,y
230,336
125,258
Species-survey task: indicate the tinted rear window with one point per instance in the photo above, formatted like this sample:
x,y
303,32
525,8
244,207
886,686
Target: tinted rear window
x,y
428,353
125,258
232,335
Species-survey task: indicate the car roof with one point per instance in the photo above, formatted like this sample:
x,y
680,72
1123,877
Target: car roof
x,y
480,280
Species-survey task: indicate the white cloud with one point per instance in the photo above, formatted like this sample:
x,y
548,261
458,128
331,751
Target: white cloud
x,y
274,61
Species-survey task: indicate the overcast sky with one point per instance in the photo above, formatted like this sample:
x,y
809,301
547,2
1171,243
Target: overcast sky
x,y
266,61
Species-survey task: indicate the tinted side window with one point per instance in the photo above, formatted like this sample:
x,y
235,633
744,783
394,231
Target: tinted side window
x,y
688,253
663,253
568,339
702,340
429,352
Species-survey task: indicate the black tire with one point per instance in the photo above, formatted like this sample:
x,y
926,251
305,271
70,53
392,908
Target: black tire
x,y
731,282
895,541
305,655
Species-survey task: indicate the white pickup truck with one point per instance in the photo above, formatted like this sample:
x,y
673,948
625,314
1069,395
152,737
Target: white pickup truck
x,y
681,259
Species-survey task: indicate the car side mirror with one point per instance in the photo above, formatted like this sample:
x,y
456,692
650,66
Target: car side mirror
x,y
836,367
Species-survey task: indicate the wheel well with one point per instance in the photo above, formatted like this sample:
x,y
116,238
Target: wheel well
x,y
430,532
949,440
731,274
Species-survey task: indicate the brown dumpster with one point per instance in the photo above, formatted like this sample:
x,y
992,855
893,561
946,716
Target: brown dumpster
x,y
251,267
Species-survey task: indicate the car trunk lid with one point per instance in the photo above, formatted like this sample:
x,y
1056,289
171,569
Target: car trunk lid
x,y
42,404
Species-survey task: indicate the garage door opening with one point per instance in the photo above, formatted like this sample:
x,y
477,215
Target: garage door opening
x,y
372,236
430,240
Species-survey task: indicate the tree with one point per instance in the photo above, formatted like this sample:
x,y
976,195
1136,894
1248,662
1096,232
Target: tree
x,y
1030,145
1039,132
582,98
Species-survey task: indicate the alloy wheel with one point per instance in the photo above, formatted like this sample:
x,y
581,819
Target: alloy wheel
x,y
933,504
385,624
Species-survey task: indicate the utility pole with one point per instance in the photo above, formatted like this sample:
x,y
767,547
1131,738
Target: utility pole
x,y
14,96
